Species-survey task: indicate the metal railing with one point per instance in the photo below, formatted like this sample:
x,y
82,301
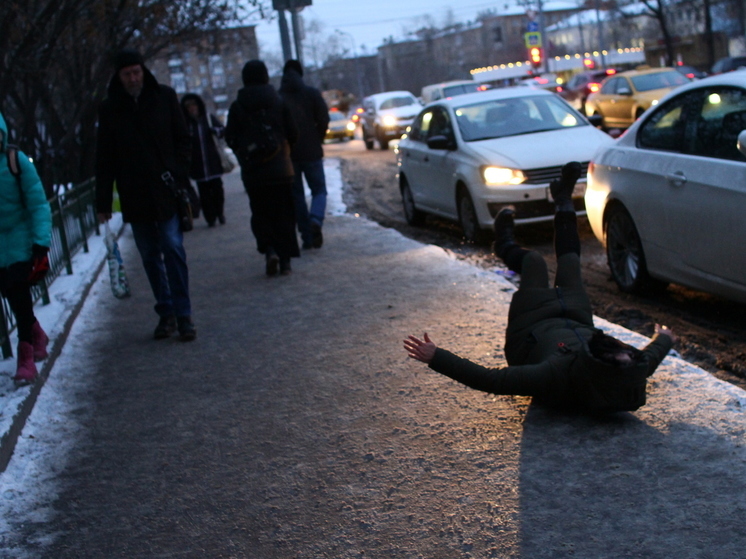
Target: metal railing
x,y
73,222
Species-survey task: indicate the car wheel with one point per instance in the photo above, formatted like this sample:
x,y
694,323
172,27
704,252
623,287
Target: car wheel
x,y
383,142
467,216
368,141
625,255
411,213
639,112
603,121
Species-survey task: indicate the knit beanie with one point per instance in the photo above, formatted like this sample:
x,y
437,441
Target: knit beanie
x,y
293,65
255,73
128,57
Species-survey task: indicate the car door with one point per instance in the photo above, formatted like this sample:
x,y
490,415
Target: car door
x,y
618,104
708,188
438,164
414,154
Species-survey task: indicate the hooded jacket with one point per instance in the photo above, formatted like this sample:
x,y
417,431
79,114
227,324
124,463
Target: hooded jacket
x,y
310,113
547,351
252,98
138,140
25,216
206,162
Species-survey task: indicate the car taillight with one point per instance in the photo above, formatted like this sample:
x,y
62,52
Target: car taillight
x,y
594,87
559,89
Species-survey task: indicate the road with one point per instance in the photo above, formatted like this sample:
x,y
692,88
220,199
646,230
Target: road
x,y
710,328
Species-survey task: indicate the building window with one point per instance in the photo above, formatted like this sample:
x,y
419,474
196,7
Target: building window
x,y
497,34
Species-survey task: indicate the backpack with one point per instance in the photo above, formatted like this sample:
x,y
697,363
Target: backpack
x,y
11,152
258,141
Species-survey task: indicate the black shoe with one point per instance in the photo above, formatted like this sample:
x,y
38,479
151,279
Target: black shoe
x,y
307,245
504,228
285,268
562,189
273,262
317,239
221,219
211,224
187,331
166,327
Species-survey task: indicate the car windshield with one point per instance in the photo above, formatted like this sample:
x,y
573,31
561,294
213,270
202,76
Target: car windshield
x,y
500,118
336,115
659,80
454,90
396,102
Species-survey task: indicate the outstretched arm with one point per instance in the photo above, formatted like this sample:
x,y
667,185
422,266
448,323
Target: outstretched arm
x,y
422,350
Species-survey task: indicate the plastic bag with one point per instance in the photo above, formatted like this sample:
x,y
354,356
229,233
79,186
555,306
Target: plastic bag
x,y
119,286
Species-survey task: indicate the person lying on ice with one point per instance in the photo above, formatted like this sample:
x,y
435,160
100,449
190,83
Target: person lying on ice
x,y
554,352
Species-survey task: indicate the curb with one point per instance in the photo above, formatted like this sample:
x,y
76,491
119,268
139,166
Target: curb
x,y
9,438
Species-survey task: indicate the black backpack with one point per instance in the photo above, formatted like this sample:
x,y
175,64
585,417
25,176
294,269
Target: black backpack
x,y
258,141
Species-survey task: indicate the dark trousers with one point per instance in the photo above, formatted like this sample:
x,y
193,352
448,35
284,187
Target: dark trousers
x,y
161,247
531,264
17,291
273,217
212,197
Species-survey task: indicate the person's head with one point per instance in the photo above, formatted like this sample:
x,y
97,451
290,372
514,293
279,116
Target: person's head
x,y
192,105
612,351
130,69
295,65
255,73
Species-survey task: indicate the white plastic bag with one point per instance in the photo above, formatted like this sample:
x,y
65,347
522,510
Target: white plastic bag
x,y
119,286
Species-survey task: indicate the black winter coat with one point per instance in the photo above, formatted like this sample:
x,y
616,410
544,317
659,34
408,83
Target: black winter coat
x,y
253,98
206,162
311,116
137,142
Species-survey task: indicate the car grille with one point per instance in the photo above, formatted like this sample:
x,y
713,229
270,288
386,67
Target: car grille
x,y
534,208
548,174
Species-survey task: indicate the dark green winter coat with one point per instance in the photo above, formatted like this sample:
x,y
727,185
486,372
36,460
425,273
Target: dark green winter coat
x,y
546,347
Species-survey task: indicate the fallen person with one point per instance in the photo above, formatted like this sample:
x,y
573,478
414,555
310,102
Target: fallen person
x,y
554,352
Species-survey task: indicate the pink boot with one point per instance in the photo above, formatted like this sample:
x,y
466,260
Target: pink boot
x,y
26,373
39,340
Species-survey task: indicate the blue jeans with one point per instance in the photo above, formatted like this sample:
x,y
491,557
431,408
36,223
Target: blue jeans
x,y
161,247
314,173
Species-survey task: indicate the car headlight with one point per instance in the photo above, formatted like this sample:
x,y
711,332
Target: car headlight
x,y
351,126
500,176
389,120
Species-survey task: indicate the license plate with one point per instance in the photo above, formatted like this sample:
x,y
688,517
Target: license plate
x,y
578,191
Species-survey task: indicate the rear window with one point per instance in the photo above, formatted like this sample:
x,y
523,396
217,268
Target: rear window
x,y
659,80
454,90
396,102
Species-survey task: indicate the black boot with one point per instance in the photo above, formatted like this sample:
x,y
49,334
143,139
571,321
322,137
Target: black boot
x,y
504,228
273,262
562,189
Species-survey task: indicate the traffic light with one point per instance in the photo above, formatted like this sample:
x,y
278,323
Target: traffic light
x,y
535,55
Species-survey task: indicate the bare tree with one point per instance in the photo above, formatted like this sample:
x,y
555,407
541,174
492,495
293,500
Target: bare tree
x,y
55,58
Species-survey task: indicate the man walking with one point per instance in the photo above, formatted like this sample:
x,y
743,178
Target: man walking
x,y
311,116
143,145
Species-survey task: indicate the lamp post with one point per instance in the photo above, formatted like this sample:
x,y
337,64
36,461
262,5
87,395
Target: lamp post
x,y
356,62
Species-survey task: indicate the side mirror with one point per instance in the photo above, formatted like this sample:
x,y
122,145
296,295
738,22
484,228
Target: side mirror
x,y
742,142
596,120
441,142
624,91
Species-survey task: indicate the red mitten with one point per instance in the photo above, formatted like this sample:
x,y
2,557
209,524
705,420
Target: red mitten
x,y
39,263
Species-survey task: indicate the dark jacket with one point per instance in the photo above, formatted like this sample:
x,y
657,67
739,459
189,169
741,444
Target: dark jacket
x,y
206,164
252,98
310,113
137,142
547,351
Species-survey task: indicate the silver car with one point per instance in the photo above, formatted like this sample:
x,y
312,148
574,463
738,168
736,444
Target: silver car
x,y
668,198
467,157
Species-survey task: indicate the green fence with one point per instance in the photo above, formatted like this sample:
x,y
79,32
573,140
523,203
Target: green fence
x,y
73,222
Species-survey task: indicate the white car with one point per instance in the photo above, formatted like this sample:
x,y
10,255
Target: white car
x,y
668,198
467,157
387,115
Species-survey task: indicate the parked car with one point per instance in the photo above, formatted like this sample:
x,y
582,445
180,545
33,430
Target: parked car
x,y
340,126
623,97
691,72
667,199
387,115
467,157
728,64
581,85
437,91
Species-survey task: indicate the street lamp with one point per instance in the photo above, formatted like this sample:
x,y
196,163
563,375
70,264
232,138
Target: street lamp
x,y
357,63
